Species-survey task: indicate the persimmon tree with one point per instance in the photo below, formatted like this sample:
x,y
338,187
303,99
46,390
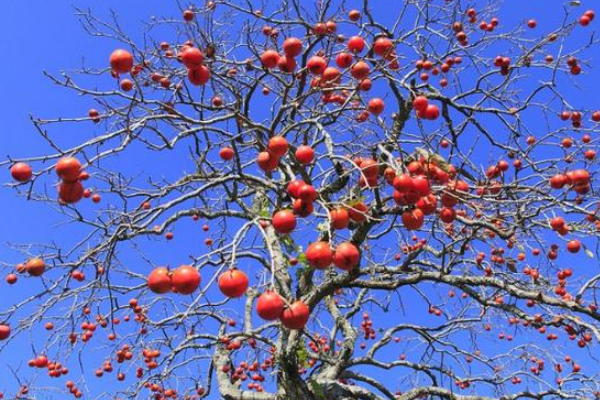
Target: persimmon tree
x,y
397,201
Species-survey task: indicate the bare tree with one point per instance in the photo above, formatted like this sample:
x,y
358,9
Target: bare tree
x,y
451,181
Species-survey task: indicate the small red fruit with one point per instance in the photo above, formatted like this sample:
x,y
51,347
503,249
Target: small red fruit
x,y
233,283
269,306
358,212
382,46
294,187
4,332
316,65
376,106
121,61
35,267
344,60
403,183
447,215
308,193
295,316
413,219
192,57
420,103
421,185
186,279
159,280
278,146
21,172
68,169
188,15
286,64
354,15
331,75
199,76
269,59
360,70
319,255
292,47
346,256
11,279
574,246
226,153
126,85
70,192
267,161
356,44
305,154
284,222
432,112
340,218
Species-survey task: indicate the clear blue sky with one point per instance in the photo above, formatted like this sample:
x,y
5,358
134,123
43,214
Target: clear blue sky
x,y
39,35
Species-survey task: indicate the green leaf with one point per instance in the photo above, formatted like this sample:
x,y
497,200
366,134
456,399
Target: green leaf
x,y
432,157
260,206
288,243
302,259
304,267
355,201
302,355
317,389
440,162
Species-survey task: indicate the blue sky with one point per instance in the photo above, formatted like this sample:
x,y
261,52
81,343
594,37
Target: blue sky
x,y
40,35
